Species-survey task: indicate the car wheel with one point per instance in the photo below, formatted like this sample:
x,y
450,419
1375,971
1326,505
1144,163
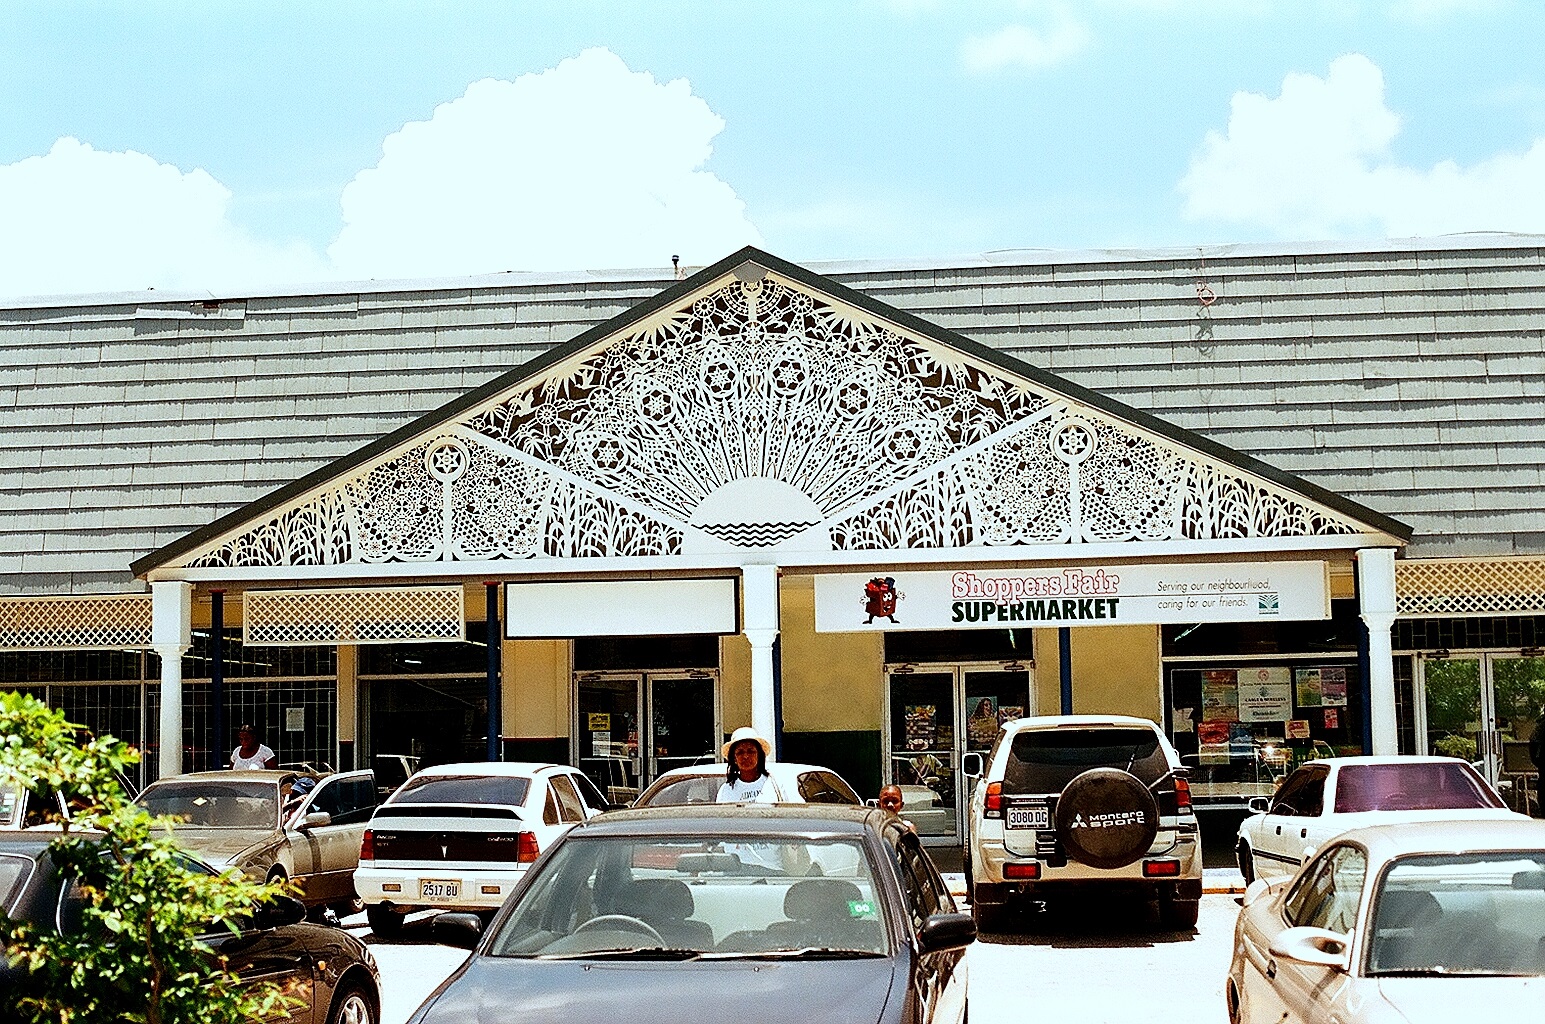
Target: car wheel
x,y
383,922
1178,915
352,1005
1246,859
276,874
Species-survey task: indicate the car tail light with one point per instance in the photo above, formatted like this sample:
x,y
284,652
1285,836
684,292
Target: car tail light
x,y
1182,794
1161,869
993,804
1022,870
528,849
367,845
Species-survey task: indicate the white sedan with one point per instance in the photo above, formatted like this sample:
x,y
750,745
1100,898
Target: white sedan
x,y
1321,799
1430,922
459,836
792,784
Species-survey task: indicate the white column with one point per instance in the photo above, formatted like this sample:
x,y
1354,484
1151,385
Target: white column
x,y
171,632
759,601
1376,597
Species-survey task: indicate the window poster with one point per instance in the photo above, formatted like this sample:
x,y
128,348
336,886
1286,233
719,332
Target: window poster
x,y
981,721
1310,688
922,726
1220,695
1212,739
1241,741
1009,712
1265,695
1298,729
1332,718
1333,687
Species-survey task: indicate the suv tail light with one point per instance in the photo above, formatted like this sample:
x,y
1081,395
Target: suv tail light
x,y
1161,869
1182,794
1022,870
993,803
527,850
367,845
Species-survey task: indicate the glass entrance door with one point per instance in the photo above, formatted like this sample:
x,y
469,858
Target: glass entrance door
x,y
632,726
1481,708
937,714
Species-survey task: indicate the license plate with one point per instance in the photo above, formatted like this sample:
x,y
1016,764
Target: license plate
x,y
1029,817
438,889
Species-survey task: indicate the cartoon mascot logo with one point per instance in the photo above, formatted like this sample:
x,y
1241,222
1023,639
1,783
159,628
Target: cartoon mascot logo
x,y
880,597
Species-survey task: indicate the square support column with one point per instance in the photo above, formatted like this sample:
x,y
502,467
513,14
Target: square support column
x,y
759,602
1376,603
171,633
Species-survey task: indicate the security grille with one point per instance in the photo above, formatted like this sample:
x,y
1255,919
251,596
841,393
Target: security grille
x,y
383,616
1461,587
109,621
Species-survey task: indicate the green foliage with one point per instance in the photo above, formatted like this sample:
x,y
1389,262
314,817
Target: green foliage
x,y
137,956
1462,747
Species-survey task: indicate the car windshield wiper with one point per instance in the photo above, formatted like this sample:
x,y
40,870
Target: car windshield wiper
x,y
639,953
808,953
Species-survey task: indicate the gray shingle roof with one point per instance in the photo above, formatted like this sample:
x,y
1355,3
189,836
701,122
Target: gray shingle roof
x,y
1409,377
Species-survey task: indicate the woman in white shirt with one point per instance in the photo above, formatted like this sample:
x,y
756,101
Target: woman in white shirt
x,y
251,751
747,780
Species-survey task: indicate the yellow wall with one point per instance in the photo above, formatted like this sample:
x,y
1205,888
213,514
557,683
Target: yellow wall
x,y
832,682
734,682
348,693
1115,671
535,687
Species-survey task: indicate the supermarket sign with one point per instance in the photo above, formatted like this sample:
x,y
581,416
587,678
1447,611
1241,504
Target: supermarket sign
x,y
985,598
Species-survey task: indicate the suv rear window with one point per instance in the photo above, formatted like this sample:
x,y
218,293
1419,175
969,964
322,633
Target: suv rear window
x,y
1046,760
464,789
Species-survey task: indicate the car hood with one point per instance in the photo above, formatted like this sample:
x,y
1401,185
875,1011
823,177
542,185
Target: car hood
x,y
221,846
1445,1000
494,990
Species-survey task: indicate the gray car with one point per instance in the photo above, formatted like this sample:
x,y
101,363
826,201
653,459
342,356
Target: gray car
x,y
274,825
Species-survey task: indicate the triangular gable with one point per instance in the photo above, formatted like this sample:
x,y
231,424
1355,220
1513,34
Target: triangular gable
x,y
758,405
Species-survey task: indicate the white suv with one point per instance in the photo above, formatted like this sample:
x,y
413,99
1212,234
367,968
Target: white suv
x,y
1068,803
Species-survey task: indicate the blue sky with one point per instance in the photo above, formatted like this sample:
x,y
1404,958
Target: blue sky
x,y
235,146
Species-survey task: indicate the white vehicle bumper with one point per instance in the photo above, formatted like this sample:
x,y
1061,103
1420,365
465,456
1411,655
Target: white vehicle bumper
x,y
420,886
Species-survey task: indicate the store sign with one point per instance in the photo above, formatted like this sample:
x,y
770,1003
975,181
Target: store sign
x,y
621,608
1072,596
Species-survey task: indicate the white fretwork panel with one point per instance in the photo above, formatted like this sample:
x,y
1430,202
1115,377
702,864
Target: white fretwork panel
x,y
759,415
110,621
1460,588
387,615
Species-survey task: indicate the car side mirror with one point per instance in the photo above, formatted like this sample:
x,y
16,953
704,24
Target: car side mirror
x,y
946,931
971,765
316,819
460,930
278,912
1254,891
1258,804
1313,946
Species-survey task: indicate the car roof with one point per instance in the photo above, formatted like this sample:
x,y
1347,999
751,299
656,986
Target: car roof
x,y
1077,721
523,769
244,775
1342,762
735,819
1449,835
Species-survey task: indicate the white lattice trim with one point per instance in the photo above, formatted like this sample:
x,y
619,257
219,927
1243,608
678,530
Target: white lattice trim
x,y
383,616
1465,587
106,622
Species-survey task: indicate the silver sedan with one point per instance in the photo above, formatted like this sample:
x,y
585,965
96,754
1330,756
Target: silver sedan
x,y
1418,922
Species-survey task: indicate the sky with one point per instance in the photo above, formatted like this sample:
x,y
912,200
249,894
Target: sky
x,y
232,147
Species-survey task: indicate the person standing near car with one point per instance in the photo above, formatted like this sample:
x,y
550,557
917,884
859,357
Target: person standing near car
x,y
251,751
746,778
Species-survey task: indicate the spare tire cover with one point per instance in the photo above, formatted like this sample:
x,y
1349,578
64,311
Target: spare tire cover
x,y
1106,818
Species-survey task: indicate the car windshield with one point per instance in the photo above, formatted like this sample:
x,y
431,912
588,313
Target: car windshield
x,y
690,789
1473,914
12,801
463,789
215,804
1046,760
1413,786
757,896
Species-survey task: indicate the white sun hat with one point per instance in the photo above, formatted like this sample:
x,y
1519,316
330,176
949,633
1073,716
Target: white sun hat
x,y
745,732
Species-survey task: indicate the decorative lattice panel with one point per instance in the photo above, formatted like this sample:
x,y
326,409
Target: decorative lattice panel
x,y
116,622
760,415
1455,587
389,615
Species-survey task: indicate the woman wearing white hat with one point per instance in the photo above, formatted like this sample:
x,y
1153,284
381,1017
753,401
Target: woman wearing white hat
x,y
747,780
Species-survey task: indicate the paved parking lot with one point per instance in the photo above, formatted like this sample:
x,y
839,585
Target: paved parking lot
x,y
1102,963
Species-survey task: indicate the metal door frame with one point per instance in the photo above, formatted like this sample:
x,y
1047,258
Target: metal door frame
x,y
1489,749
644,762
958,669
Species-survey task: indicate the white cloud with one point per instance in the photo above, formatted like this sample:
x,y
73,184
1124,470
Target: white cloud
x,y
1316,162
1024,48
81,220
587,165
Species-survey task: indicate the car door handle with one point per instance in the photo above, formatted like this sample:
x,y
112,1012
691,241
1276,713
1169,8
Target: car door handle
x,y
1271,968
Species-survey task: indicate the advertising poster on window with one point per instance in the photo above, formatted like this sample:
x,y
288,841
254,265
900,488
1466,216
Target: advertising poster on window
x,y
1241,741
1265,695
981,722
922,726
1009,712
1332,718
1310,691
1333,687
1298,729
1220,695
1212,740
